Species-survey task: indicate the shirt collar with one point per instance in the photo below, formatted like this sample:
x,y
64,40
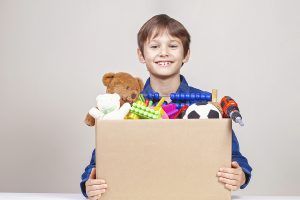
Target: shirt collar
x,y
183,87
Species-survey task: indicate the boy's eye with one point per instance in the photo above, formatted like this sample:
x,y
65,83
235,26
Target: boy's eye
x,y
173,46
153,46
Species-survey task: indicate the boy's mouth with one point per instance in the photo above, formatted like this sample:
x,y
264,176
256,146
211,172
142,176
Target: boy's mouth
x,y
163,63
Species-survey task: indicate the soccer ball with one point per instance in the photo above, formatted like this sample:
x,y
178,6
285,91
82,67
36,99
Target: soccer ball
x,y
202,110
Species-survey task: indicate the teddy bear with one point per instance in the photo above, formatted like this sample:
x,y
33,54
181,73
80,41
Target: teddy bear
x,y
125,85
108,107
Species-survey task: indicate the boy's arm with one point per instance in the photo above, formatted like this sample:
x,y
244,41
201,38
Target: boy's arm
x,y
85,176
240,159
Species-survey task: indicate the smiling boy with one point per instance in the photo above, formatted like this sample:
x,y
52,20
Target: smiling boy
x,y
163,46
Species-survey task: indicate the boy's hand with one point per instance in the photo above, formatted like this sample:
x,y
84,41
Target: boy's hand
x,y
95,187
232,177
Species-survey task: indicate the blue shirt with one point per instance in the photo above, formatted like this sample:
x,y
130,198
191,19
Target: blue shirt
x,y
183,88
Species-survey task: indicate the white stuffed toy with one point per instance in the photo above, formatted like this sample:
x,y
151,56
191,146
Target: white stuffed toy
x,y
108,107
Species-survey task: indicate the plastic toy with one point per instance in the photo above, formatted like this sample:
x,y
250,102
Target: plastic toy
x,y
158,107
182,99
145,112
170,110
131,114
152,96
231,110
181,112
203,96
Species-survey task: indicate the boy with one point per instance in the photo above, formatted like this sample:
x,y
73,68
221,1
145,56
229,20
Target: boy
x,y
163,45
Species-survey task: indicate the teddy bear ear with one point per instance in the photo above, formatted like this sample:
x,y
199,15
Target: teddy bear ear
x,y
107,78
141,83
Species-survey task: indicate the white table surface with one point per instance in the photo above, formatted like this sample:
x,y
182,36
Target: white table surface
x,y
40,196
62,196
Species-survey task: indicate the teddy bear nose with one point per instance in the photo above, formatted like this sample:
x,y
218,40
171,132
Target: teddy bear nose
x,y
133,96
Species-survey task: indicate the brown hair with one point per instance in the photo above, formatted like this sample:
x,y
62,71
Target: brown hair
x,y
159,23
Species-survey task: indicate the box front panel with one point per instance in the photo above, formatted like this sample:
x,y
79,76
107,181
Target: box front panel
x,y
163,159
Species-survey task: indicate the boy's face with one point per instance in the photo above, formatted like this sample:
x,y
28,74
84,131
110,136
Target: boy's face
x,y
163,55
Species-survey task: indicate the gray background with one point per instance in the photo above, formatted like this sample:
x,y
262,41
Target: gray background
x,y
54,53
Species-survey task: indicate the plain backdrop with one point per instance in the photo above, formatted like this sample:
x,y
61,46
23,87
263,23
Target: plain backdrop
x,y
53,54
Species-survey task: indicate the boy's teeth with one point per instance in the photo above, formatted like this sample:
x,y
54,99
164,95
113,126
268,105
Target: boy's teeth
x,y
163,64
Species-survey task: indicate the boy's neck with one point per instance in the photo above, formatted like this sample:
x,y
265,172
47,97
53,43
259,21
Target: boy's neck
x,y
165,86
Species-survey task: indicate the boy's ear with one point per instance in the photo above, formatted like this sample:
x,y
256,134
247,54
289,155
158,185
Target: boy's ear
x,y
187,57
107,78
140,55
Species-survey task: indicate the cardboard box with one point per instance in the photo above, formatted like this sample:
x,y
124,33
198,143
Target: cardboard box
x,y
163,159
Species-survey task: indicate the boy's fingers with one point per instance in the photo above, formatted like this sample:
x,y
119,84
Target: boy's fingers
x,y
231,187
94,198
230,171
97,197
100,187
228,181
93,194
96,193
96,187
93,174
228,175
95,182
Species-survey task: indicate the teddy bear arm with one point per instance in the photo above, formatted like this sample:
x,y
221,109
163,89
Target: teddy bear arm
x,y
89,120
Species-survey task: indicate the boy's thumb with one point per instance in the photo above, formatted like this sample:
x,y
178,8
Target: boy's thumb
x,y
235,164
93,174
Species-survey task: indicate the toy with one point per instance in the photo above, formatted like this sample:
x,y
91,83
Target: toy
x,y
203,96
231,110
199,96
142,109
214,100
144,112
182,99
106,103
170,110
181,112
140,101
152,96
202,110
205,110
159,108
108,107
182,104
119,114
123,84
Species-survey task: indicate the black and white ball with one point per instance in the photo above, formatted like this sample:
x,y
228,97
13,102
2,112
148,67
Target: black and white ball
x,y
202,110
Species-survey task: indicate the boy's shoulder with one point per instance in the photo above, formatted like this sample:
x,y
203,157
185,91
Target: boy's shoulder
x,y
195,90
185,87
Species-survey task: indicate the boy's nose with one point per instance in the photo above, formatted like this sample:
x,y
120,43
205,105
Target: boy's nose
x,y
163,52
163,55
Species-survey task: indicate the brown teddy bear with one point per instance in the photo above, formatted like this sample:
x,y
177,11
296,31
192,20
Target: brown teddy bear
x,y
122,83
